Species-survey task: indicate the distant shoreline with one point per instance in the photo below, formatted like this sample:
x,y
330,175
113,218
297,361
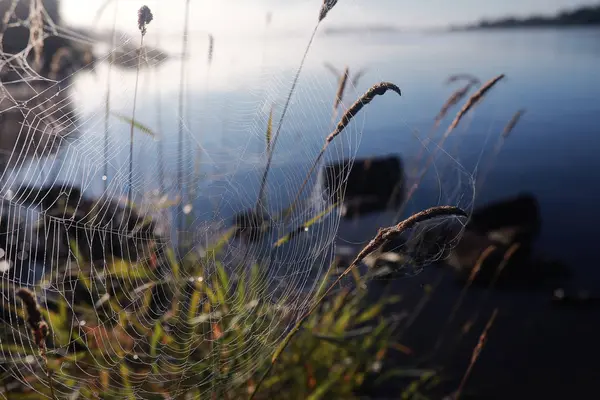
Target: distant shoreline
x,y
587,16
583,16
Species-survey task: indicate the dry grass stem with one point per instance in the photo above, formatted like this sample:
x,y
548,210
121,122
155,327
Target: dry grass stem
x,y
107,96
269,134
474,99
505,259
383,236
332,69
476,268
184,45
341,88
476,353
327,6
144,18
454,98
482,257
387,234
512,123
286,106
505,134
463,77
36,30
378,89
357,77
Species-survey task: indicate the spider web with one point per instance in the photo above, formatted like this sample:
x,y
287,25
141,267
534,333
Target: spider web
x,y
104,271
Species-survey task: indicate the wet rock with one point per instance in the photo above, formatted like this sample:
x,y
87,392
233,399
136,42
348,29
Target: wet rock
x,y
365,186
499,242
251,225
512,220
34,120
101,228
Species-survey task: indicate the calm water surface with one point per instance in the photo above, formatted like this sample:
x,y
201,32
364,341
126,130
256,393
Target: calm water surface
x,y
552,153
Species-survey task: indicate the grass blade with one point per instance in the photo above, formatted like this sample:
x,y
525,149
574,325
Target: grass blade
x,y
136,124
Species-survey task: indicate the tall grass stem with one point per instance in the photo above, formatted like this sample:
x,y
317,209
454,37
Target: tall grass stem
x,y
263,181
180,114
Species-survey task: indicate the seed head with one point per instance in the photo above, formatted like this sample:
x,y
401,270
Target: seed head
x,y
144,18
211,47
327,6
35,320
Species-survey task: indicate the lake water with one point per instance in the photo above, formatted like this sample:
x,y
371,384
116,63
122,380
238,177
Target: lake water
x,y
552,153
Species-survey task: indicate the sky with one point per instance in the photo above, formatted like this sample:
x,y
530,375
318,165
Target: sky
x,y
236,16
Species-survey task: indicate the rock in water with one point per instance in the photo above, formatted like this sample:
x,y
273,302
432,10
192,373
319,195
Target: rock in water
x,y
365,186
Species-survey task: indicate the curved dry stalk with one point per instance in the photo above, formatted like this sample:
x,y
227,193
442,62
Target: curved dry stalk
x,y
378,89
383,236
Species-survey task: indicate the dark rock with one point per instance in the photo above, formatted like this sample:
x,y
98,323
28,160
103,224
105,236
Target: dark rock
x,y
366,185
513,220
101,228
251,225
511,227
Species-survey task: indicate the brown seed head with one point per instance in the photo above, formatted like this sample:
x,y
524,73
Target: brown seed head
x,y
512,123
327,6
454,98
34,316
144,18
341,88
376,90
473,100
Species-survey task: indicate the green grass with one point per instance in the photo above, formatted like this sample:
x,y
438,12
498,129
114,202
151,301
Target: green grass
x,y
215,338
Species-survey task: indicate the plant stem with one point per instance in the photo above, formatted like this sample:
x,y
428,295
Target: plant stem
x,y
180,113
107,100
283,114
137,79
